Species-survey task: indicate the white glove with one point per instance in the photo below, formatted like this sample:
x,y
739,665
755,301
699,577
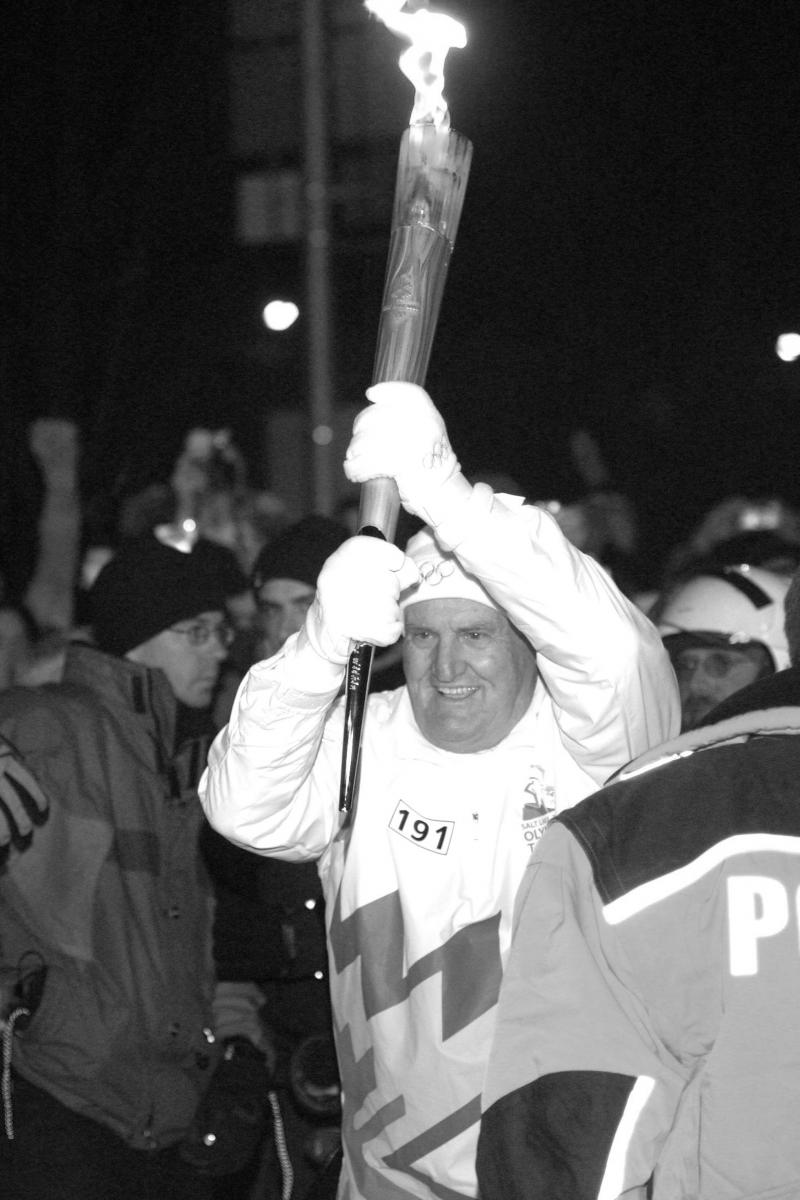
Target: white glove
x,y
357,598
22,802
402,436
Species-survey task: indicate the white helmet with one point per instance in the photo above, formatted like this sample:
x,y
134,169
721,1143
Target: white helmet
x,y
731,606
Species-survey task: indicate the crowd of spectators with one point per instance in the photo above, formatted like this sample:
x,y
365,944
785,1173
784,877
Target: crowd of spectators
x,y
207,497
717,600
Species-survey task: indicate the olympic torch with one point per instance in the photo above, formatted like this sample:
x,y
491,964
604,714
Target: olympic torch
x,y
432,173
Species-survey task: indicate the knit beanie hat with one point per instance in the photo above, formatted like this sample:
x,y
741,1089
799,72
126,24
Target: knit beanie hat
x,y
441,577
299,552
148,586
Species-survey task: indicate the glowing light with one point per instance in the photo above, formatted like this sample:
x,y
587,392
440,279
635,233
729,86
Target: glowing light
x,y
322,435
787,347
430,35
280,314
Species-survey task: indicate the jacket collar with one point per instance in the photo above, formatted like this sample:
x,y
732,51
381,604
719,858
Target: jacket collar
x,y
771,705
142,690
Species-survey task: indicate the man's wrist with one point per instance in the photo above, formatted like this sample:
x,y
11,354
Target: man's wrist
x,y
455,508
321,672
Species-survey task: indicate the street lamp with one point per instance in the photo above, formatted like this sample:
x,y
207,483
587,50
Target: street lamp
x,y
280,315
787,347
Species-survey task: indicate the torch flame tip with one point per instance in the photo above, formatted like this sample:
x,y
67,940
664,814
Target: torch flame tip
x,y
430,35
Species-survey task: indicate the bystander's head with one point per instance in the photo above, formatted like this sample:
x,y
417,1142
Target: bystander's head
x,y
723,629
285,577
164,608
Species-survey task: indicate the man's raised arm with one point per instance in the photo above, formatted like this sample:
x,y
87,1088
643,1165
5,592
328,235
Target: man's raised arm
x,y
584,630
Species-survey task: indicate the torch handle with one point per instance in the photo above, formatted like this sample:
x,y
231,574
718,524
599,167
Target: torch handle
x,y
379,508
359,670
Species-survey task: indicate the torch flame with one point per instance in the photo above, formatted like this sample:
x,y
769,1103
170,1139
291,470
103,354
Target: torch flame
x,y
431,35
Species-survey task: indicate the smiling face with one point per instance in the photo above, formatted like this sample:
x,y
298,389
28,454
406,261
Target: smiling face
x,y
470,674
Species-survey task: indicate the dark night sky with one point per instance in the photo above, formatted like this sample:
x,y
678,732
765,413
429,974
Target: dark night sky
x,y
627,255
650,152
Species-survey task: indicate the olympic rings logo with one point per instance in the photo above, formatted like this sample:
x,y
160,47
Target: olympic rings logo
x,y
434,572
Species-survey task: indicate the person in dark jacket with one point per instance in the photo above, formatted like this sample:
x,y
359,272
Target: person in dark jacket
x,y
269,945
106,910
649,1024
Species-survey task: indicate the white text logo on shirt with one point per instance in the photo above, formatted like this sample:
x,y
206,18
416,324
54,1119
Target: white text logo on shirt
x,y
538,810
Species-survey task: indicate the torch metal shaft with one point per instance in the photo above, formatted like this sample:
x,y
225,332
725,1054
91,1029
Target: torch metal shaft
x,y
432,173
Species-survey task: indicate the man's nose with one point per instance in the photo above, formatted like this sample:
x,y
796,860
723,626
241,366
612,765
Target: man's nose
x,y
216,647
449,660
697,682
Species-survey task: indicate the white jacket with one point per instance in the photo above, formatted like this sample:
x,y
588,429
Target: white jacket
x,y
420,881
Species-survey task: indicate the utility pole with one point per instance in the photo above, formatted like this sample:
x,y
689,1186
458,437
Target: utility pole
x,y
317,254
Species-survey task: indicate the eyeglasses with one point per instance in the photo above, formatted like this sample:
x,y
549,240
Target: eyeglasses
x,y
200,631
716,664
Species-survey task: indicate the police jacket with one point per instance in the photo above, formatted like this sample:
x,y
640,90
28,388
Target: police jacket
x,y
111,898
649,1023
419,885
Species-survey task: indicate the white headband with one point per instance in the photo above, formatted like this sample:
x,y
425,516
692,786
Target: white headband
x,y
441,577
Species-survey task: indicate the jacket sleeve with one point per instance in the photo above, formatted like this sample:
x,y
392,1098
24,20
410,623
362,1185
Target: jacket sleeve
x,y
580,1094
270,783
56,902
584,630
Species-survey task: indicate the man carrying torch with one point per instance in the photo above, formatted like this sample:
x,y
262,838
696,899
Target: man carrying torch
x,y
529,679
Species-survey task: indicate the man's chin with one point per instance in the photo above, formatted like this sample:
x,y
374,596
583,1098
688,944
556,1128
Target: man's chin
x,y
695,716
457,739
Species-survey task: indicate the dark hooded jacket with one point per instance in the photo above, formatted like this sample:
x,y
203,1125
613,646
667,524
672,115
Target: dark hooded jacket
x,y
649,1020
111,897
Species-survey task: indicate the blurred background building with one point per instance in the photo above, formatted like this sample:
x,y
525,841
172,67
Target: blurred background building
x,y
626,258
